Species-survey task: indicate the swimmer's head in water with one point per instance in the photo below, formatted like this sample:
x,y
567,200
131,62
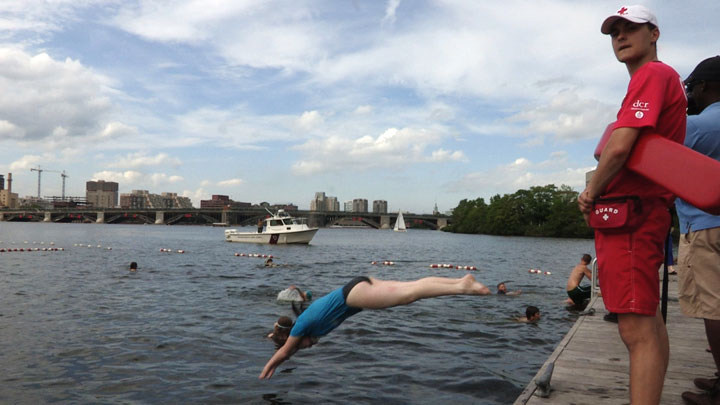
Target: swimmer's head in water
x,y
502,287
532,313
308,295
133,266
281,331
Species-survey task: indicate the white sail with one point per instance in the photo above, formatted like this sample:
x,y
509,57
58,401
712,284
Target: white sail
x,y
400,223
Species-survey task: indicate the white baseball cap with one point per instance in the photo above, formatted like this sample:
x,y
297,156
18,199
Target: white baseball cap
x,y
637,14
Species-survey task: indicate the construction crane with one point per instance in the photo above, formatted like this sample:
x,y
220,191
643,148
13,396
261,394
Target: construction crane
x,y
40,170
64,176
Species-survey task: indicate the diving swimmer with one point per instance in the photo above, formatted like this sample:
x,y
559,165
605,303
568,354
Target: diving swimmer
x,y
328,312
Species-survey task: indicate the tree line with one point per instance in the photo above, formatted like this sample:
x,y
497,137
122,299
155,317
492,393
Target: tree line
x,y
540,211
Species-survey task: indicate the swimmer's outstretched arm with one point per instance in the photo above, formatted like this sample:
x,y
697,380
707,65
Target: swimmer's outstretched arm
x,y
290,347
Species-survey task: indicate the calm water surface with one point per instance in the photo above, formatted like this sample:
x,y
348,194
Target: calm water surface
x,y
77,327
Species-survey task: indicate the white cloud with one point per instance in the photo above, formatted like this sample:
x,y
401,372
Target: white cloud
x,y
129,177
197,195
10,130
41,96
27,161
231,182
133,178
518,174
392,148
162,178
390,10
363,109
442,155
567,116
304,168
141,159
117,130
309,120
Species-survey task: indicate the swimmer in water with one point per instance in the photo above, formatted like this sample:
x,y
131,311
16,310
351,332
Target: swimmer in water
x,y
328,312
133,266
502,290
293,293
281,331
532,315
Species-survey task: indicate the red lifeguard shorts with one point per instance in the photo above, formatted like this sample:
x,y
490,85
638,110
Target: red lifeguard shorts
x,y
628,264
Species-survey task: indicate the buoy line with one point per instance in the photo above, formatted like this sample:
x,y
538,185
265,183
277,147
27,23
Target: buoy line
x,y
451,266
258,255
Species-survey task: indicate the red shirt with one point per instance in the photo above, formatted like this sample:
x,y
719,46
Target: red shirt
x,y
656,103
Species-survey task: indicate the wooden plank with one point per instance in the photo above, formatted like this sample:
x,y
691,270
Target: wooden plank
x,y
591,364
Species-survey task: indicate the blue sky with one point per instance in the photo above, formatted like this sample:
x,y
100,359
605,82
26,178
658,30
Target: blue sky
x,y
413,102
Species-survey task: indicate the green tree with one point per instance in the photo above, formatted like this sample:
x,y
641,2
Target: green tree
x,y
540,211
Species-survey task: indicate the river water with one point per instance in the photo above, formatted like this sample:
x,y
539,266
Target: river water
x,y
77,327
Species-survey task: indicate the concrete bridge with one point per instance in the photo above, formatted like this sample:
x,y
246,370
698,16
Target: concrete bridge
x,y
206,216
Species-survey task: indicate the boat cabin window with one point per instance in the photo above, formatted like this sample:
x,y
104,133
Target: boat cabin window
x,y
275,222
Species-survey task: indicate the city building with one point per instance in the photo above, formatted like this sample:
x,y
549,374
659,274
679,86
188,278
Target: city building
x,y
324,203
318,203
101,193
360,205
140,199
32,201
286,207
332,204
348,206
223,201
8,199
379,207
173,200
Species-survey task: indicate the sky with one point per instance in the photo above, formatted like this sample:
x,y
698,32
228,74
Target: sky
x,y
418,102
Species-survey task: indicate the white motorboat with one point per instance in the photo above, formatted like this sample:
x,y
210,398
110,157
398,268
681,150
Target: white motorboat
x,y
279,229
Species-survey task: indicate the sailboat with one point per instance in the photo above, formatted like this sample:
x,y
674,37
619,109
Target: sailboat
x,y
400,223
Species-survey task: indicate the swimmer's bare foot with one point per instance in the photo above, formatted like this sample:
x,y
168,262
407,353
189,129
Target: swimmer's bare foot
x,y
472,286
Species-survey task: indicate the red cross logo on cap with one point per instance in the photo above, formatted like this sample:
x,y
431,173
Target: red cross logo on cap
x,y
622,11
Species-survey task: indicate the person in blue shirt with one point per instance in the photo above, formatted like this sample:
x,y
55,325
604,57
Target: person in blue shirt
x,y
699,251
328,312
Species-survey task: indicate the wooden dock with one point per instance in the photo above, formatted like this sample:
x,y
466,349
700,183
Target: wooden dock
x,y
591,363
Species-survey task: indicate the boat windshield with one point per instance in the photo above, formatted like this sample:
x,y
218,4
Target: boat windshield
x,y
298,221
276,222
